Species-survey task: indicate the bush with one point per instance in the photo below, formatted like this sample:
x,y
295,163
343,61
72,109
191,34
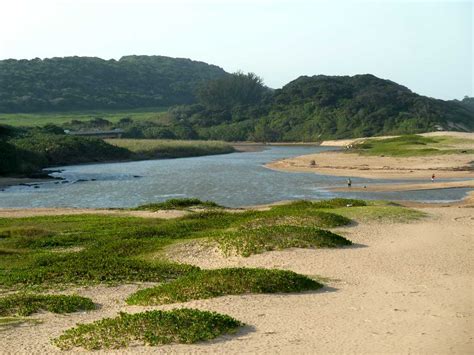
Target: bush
x,y
259,240
178,204
26,304
204,284
151,328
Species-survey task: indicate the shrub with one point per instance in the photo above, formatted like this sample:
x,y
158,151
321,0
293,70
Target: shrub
x,y
26,304
178,204
232,281
254,241
152,328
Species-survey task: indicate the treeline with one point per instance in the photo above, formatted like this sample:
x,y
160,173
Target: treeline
x,y
78,83
26,152
241,108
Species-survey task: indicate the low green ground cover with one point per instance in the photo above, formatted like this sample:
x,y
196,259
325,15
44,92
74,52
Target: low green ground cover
x,y
149,328
246,242
167,148
60,118
27,304
413,145
380,211
52,251
178,204
204,284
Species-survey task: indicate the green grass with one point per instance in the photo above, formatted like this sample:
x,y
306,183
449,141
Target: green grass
x,y
54,251
27,304
149,328
178,204
204,284
58,118
246,242
381,212
414,145
164,148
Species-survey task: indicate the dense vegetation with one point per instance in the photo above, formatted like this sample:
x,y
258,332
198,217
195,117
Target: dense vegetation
x,y
150,328
208,103
178,204
414,145
89,249
26,304
27,151
204,284
77,83
321,107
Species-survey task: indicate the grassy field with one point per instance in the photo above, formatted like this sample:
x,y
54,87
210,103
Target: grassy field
x,y
163,148
40,119
60,252
414,145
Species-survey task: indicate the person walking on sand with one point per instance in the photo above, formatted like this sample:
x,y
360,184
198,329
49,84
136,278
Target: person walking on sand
x,y
349,182
432,177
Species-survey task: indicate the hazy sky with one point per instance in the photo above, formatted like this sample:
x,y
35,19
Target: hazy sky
x,y
425,45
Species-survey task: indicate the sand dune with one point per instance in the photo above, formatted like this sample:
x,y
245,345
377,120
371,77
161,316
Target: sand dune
x,y
402,288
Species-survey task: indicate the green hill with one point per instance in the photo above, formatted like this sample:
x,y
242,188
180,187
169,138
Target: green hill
x,y
77,83
208,103
321,107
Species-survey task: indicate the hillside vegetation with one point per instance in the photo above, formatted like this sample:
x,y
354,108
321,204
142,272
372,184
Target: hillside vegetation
x,y
77,83
207,103
27,151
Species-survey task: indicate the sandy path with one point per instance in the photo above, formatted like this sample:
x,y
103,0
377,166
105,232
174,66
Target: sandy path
x,y
405,288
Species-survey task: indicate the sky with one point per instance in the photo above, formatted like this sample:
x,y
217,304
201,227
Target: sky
x,y
424,45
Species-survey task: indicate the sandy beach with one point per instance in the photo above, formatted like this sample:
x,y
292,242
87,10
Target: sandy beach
x,y
341,163
401,288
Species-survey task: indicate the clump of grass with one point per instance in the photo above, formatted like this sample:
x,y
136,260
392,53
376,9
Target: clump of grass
x,y
316,219
204,284
24,232
178,204
27,304
151,328
259,240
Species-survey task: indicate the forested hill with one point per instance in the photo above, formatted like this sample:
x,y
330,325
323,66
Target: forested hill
x,y
77,83
318,107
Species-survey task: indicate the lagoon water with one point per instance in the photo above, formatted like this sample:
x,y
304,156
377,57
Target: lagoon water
x,y
233,180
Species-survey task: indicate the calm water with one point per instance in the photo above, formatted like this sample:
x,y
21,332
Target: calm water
x,y
237,179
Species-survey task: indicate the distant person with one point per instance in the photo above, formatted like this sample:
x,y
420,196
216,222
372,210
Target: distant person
x,y
349,182
432,177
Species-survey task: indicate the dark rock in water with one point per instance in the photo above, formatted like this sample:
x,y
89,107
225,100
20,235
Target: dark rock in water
x,y
93,179
137,176
82,180
36,186
64,182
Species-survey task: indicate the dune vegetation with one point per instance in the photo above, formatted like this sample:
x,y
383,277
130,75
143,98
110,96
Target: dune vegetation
x,y
58,252
414,145
204,284
151,328
27,304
